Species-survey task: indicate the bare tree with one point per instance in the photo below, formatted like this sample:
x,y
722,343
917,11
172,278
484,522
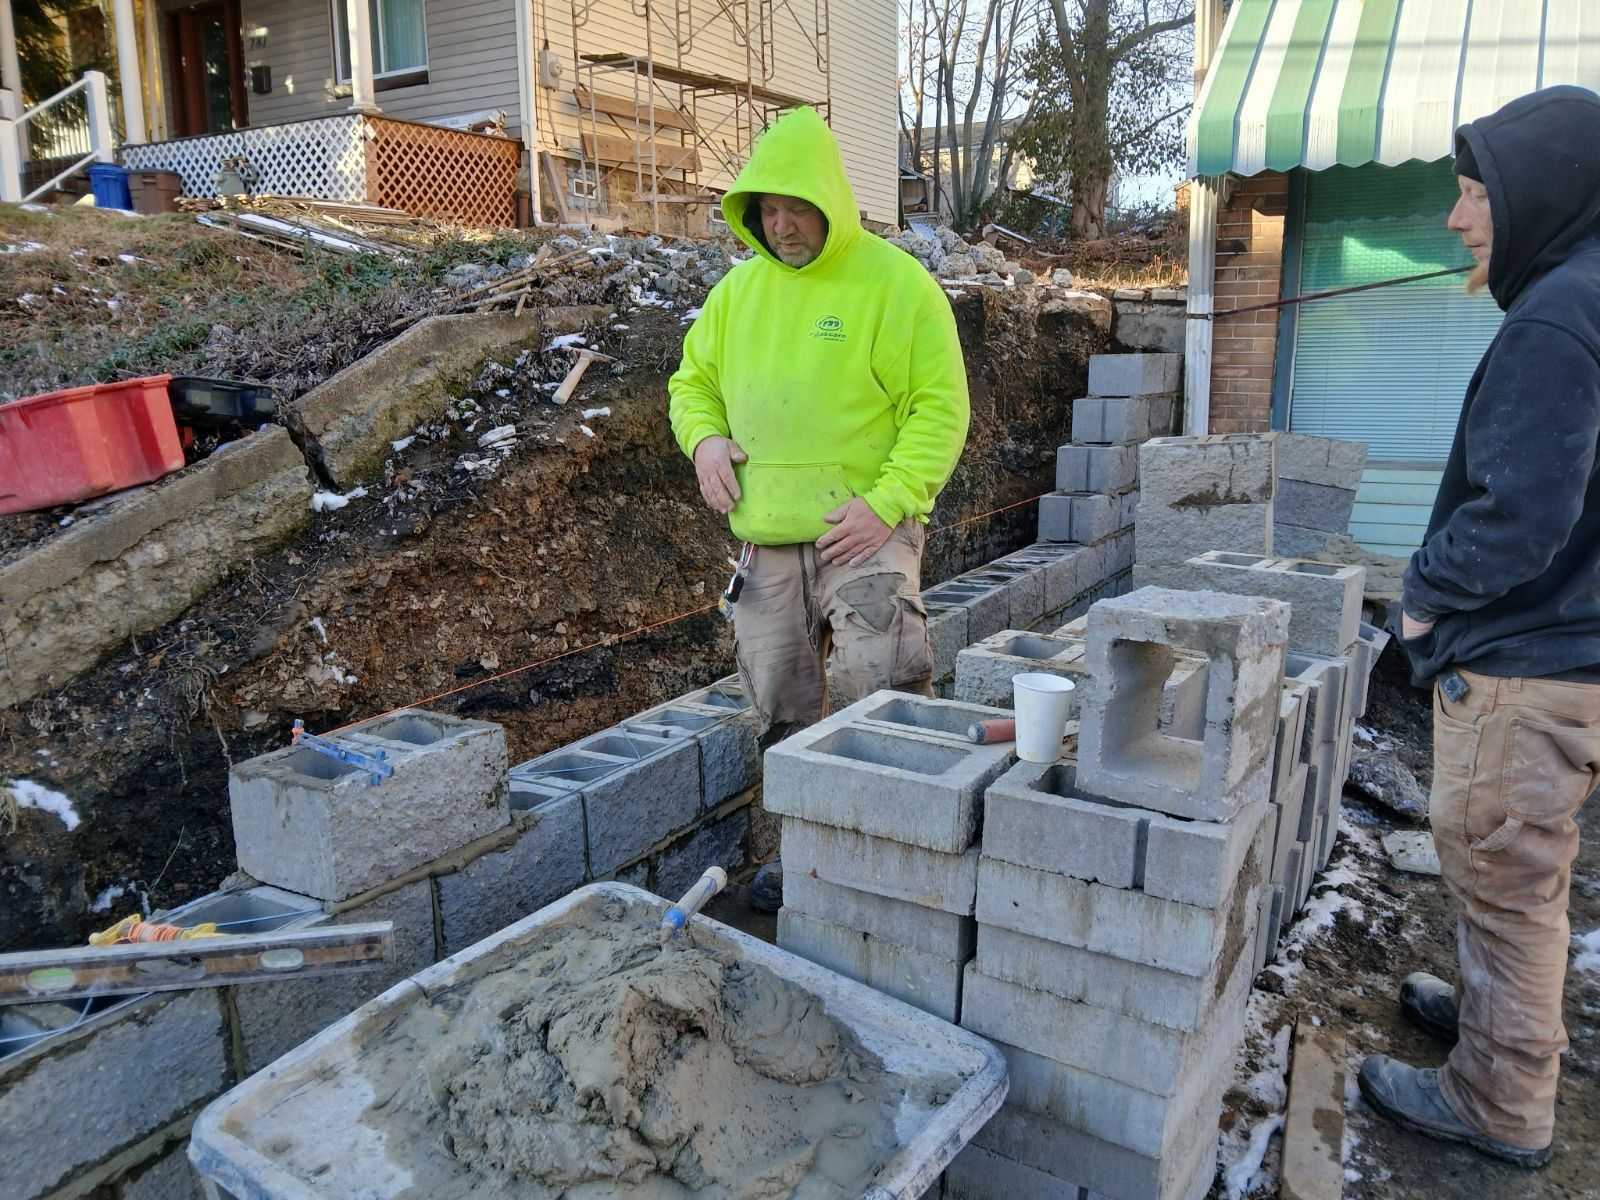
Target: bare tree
x,y
1112,85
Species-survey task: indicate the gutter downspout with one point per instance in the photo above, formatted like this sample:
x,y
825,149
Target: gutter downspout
x,y
1202,248
528,101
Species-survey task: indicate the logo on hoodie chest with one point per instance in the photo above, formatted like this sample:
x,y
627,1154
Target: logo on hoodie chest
x,y
829,329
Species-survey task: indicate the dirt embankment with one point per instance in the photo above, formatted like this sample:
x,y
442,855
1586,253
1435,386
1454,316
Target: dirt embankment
x,y
445,578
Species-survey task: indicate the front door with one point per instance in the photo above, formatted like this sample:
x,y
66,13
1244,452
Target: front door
x,y
207,68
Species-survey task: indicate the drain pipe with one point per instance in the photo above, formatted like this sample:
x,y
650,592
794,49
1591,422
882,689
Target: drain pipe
x,y
528,102
1202,246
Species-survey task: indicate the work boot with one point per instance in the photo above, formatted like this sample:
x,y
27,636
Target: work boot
x,y
766,889
1430,1003
1410,1098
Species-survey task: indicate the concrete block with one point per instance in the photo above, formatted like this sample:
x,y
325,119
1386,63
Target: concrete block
x,y
1329,462
169,1177
988,608
73,1100
730,757
984,670
947,636
1121,750
720,843
637,790
1297,541
1289,807
1324,598
1288,746
979,1174
926,930
1134,374
1097,1040
902,712
1207,472
545,863
1112,470
1129,516
1313,505
1325,678
1166,535
274,1018
1125,924
1055,517
1123,420
1121,1114
1094,517
1034,817
921,980
898,784
1199,862
1266,943
318,826
1183,699
948,882
1024,589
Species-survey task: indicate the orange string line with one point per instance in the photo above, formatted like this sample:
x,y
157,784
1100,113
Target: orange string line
x,y
615,638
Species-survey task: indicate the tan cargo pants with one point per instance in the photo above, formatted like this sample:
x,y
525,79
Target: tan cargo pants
x,y
1514,761
794,610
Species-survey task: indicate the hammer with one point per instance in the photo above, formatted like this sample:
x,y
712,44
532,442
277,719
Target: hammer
x,y
570,383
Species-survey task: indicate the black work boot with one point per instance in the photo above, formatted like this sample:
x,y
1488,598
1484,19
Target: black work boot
x,y
1410,1098
1430,1003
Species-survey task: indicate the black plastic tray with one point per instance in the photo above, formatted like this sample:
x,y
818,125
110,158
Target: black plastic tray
x,y
220,402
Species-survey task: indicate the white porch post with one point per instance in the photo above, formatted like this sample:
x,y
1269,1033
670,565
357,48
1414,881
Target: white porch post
x,y
10,67
528,99
1202,249
10,145
152,77
129,81
358,22
101,138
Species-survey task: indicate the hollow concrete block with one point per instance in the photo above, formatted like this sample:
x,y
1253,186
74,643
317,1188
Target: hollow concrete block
x,y
1324,598
1324,678
948,882
728,741
1023,585
1134,374
76,1099
169,1177
1166,535
546,861
319,826
984,670
979,1174
1123,420
1131,642
987,607
1207,472
1112,470
947,636
1034,817
910,788
923,981
1055,517
1093,517
926,930
1329,462
903,712
1313,505
723,842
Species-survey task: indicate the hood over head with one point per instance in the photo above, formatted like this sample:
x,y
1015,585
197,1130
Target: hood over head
x,y
1539,161
797,156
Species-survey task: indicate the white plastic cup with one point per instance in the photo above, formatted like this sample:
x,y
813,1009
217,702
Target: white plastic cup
x,y
1041,702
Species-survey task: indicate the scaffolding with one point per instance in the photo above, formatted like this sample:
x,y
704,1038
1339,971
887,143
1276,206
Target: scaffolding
x,y
668,124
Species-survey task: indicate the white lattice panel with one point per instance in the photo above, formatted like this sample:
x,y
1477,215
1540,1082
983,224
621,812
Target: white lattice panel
x,y
325,157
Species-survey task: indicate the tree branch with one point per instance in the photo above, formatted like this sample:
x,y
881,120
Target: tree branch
x,y
1140,36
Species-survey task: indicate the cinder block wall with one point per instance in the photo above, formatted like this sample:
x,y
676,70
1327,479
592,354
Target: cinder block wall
x,y
1249,272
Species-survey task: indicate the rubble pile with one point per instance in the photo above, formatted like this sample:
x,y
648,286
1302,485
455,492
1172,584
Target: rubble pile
x,y
949,258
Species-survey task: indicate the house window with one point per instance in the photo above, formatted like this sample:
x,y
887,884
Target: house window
x,y
399,42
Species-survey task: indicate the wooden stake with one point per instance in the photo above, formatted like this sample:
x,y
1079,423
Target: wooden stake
x,y
1313,1126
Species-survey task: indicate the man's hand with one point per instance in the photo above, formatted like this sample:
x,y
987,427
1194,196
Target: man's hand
x,y
713,467
1410,627
857,534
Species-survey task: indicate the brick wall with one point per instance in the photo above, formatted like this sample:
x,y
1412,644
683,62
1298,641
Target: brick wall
x,y
1249,271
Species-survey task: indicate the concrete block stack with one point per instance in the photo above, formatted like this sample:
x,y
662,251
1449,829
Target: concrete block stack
x,y
1132,397
881,805
1199,494
1117,905
984,670
1317,482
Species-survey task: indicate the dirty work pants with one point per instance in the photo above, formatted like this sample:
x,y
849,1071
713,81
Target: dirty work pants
x,y
794,609
1514,761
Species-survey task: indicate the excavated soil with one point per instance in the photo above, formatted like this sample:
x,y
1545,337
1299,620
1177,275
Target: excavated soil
x,y
444,579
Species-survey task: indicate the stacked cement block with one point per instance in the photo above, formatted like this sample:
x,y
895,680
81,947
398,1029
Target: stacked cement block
x,y
881,805
1117,906
1132,397
1199,494
1317,482
984,670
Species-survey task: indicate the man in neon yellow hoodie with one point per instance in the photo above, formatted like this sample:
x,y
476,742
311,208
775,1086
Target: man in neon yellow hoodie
x,y
823,399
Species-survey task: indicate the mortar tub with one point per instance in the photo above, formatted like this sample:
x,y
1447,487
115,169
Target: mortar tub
x,y
912,1044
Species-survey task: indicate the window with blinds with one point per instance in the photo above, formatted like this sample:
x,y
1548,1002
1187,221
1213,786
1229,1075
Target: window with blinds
x,y
1387,367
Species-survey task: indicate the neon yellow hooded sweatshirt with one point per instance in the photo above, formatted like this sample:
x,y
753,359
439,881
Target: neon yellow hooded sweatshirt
x,y
840,378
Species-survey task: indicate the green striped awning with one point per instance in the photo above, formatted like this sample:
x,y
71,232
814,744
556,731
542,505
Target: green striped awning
x,y
1318,83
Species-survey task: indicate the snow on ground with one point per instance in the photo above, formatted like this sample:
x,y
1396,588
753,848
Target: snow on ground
x,y
333,501
32,795
1245,1176
1588,951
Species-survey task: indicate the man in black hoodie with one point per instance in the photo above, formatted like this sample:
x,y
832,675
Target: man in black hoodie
x,y
1502,614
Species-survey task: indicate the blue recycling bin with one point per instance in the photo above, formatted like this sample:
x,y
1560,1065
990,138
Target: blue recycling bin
x,y
109,183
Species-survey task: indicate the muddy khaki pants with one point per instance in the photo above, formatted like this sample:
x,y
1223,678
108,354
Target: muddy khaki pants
x,y
794,610
1514,760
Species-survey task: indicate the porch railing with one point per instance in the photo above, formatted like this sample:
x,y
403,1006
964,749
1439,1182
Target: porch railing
x,y
55,139
323,156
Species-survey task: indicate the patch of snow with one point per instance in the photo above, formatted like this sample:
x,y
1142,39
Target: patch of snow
x,y
565,340
587,432
132,258
22,248
1588,951
27,299
32,795
104,901
1269,1085
590,414
322,630
333,501
400,444
1244,1175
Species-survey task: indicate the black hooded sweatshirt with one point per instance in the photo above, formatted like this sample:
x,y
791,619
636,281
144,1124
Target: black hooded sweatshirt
x,y
1510,569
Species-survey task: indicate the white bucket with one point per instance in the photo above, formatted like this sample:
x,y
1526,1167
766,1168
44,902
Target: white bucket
x,y
1041,702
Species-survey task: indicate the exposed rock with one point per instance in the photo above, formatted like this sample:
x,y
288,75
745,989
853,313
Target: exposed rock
x,y
1061,278
1383,778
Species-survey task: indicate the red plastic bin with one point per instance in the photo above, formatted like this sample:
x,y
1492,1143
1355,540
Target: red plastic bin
x,y
72,445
